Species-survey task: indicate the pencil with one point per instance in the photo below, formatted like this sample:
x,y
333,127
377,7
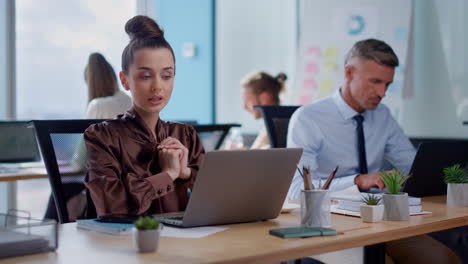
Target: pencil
x,y
306,178
329,179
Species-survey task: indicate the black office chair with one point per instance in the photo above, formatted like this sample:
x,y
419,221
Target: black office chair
x,y
61,143
212,136
276,119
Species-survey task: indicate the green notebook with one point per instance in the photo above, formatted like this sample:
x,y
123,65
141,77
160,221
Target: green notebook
x,y
302,232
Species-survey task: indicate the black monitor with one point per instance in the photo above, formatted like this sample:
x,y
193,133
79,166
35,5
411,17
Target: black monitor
x,y
18,142
427,171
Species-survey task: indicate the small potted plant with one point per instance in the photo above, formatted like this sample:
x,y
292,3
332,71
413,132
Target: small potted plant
x,y
395,202
146,235
371,211
456,178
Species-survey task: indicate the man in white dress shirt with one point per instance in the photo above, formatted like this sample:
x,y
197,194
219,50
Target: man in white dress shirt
x,y
328,131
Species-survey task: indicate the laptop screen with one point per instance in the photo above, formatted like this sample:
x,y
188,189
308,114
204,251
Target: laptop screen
x,y
17,142
427,171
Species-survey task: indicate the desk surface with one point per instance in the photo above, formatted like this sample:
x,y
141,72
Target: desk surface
x,y
247,243
36,173
23,174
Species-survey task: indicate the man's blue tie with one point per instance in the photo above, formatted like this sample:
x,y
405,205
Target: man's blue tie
x,y
361,144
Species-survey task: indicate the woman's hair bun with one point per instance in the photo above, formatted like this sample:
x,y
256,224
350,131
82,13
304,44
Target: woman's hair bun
x,y
140,27
281,77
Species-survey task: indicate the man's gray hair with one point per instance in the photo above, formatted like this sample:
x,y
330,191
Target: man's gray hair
x,y
373,49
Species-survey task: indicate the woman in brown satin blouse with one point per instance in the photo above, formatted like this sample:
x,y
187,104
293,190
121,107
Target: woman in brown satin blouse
x,y
137,163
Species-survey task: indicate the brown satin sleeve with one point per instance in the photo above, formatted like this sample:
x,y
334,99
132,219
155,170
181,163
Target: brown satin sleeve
x,y
111,189
105,186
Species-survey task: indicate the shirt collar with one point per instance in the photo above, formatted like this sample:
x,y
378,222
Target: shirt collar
x,y
345,110
142,131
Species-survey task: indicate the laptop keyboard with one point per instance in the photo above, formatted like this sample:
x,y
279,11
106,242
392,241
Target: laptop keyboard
x,y
173,219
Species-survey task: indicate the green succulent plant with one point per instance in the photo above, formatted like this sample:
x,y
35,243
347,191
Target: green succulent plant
x,y
371,199
393,180
146,223
455,174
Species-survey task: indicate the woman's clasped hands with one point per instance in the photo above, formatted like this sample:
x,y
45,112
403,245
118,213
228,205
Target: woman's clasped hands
x,y
173,158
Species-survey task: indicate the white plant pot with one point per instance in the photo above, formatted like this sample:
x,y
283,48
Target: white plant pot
x,y
147,240
457,194
372,213
396,207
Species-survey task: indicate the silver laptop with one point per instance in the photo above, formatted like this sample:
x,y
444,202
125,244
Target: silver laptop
x,y
237,187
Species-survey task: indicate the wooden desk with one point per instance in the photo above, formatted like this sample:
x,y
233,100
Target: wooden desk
x,y
246,243
35,173
24,174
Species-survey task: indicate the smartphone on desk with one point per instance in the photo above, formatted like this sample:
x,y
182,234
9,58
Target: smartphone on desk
x,y
117,218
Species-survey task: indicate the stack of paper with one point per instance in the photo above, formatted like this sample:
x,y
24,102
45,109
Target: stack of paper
x,y
349,201
107,228
16,244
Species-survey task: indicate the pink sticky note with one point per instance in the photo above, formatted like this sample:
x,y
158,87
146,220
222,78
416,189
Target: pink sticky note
x,y
313,51
309,84
311,68
305,99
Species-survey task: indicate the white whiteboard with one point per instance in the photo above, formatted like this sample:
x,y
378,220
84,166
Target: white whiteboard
x,y
328,30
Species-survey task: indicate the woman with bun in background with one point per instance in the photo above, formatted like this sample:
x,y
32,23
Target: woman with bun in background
x,y
260,88
137,163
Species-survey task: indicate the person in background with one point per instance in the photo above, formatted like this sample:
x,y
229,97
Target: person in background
x,y
260,88
353,130
137,163
105,99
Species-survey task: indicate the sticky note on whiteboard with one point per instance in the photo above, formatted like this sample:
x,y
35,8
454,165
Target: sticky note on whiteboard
x,y
331,53
313,51
311,68
309,84
326,87
330,66
305,99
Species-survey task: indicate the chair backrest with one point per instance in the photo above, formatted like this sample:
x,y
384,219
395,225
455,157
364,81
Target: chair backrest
x,y
63,151
276,119
212,136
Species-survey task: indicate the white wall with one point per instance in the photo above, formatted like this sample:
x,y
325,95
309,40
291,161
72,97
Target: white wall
x,y
251,35
440,81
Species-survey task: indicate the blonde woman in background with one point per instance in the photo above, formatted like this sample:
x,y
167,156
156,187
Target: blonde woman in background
x,y
260,88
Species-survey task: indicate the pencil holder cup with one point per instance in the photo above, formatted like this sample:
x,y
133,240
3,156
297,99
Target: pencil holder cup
x,y
315,208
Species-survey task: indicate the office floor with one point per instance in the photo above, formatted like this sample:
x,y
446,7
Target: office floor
x,y
347,256
33,196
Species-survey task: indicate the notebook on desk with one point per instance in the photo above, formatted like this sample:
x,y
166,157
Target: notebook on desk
x,y
237,187
427,177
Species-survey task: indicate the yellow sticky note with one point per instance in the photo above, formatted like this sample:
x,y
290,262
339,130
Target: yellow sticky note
x,y
330,66
326,87
331,52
